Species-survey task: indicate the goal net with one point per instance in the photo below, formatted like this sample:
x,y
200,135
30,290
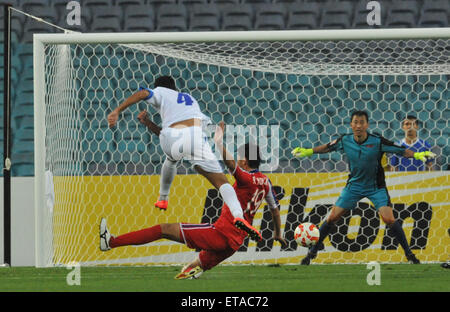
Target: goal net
x,y
284,89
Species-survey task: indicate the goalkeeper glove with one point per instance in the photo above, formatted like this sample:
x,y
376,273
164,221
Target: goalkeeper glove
x,y
302,152
424,156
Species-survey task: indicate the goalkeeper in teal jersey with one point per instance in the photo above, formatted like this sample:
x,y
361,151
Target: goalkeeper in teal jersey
x,y
364,152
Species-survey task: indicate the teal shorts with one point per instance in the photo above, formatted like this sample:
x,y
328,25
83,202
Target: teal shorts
x,y
352,194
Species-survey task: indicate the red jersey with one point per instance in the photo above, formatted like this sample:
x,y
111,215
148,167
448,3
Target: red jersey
x,y
251,187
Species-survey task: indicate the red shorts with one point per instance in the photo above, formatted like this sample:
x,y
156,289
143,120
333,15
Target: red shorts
x,y
213,245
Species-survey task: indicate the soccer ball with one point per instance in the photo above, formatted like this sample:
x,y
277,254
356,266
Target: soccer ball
x,y
306,234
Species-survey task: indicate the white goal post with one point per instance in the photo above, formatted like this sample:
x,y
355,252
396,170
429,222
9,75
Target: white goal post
x,y
284,87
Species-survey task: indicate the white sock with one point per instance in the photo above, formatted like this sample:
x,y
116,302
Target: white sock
x,y
230,198
168,172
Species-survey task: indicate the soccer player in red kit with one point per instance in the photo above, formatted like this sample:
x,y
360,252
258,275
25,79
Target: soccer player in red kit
x,y
222,239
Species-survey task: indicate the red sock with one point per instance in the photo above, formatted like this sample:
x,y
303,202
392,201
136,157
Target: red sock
x,y
137,238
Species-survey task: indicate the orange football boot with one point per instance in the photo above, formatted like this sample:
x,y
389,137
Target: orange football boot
x,y
162,204
245,226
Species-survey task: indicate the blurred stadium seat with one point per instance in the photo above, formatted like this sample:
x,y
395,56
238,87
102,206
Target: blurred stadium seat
x,y
106,18
406,6
237,17
171,18
106,24
400,20
138,10
335,21
123,4
256,1
158,3
91,8
48,14
204,17
287,2
436,6
337,15
92,4
303,16
27,5
31,27
403,14
225,2
139,24
300,21
190,3
309,8
139,18
109,11
433,19
270,16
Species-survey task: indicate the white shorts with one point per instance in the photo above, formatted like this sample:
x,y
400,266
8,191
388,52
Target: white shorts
x,y
190,144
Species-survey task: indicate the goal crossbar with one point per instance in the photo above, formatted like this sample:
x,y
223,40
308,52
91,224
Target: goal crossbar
x,y
236,36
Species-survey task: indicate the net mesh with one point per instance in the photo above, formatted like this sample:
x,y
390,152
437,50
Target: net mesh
x,y
293,94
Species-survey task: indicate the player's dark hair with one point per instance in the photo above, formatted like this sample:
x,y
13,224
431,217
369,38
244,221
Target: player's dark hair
x,y
413,118
251,153
359,114
166,82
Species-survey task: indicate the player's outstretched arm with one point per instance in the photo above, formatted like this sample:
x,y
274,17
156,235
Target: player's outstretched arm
x,y
143,119
136,97
275,211
423,156
218,140
277,227
307,152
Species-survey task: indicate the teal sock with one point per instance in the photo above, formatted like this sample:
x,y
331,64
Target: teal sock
x,y
400,236
324,231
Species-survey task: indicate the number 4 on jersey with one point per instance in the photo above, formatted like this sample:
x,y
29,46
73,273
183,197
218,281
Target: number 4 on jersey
x,y
184,98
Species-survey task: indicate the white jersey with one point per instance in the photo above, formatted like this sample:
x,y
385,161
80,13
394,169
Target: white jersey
x,y
174,106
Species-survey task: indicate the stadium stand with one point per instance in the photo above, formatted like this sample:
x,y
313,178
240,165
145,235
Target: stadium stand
x,y
216,15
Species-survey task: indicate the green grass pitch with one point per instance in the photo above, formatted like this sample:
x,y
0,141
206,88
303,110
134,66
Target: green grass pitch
x,y
284,278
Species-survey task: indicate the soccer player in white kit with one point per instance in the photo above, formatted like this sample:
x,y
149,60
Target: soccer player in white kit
x,y
181,137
